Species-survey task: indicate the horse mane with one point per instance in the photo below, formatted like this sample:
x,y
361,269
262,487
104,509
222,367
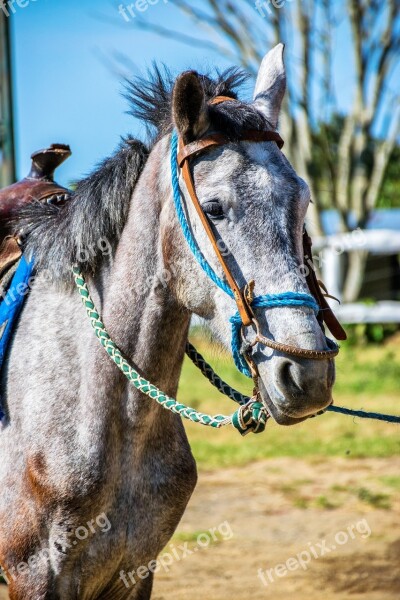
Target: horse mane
x,y
59,237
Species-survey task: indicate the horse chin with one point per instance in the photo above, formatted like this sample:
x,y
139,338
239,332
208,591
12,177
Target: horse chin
x,y
277,414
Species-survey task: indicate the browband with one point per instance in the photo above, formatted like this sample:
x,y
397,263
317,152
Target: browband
x,y
219,139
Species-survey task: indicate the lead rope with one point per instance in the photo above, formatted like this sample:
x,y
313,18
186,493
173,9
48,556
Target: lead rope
x,y
227,390
250,416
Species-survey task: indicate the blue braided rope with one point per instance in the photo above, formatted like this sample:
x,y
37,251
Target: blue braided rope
x,y
266,301
290,299
184,223
364,414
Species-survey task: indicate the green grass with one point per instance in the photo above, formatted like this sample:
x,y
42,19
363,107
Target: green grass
x,y
326,504
367,378
376,500
391,481
376,372
186,536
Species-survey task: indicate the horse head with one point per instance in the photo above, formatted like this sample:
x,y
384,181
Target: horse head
x,y
255,205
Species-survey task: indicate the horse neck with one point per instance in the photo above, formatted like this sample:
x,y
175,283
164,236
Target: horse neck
x,y
142,316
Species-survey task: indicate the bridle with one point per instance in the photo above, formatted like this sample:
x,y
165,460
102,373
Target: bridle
x,y
244,297
252,414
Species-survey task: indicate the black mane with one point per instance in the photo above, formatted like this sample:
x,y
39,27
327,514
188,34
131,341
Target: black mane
x,y
151,101
95,216
60,237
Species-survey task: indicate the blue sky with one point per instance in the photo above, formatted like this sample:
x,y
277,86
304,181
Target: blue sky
x,y
65,90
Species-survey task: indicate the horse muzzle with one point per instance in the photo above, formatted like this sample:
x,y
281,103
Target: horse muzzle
x,y
296,389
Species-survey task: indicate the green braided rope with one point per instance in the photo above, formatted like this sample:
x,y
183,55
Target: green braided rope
x,y
213,378
250,417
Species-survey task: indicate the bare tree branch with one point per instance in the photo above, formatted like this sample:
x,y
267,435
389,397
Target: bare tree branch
x,y
235,30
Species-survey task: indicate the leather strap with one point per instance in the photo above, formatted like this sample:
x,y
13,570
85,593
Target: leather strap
x,y
246,314
190,150
242,298
325,314
219,99
219,139
215,139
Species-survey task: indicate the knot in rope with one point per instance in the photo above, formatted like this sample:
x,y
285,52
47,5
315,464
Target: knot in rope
x,y
252,416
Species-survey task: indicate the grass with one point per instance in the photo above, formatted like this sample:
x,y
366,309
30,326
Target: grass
x,y
391,481
367,378
376,500
325,503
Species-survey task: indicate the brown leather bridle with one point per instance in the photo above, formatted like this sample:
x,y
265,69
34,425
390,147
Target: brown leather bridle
x,y
244,296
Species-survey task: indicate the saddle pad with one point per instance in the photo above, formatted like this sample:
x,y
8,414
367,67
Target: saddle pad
x,y
11,304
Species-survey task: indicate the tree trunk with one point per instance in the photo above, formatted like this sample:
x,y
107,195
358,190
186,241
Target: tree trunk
x,y
7,162
354,275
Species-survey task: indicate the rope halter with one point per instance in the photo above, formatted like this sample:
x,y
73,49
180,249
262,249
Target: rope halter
x,y
252,414
245,301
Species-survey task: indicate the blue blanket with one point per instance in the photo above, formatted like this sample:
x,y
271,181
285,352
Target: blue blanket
x,y
10,307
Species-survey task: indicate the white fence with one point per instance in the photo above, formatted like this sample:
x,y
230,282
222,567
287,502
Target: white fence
x,y
330,250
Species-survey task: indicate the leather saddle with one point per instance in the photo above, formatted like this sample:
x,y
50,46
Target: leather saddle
x,y
37,186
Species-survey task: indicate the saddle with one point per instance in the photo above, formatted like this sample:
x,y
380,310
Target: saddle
x,y
15,271
37,186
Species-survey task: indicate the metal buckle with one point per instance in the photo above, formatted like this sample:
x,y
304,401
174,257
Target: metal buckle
x,y
250,343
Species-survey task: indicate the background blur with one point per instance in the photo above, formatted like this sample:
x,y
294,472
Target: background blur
x,y
62,66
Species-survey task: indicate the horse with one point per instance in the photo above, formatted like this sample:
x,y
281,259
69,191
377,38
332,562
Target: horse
x,y
94,475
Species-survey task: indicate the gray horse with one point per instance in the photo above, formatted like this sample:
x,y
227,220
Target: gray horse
x,y
95,476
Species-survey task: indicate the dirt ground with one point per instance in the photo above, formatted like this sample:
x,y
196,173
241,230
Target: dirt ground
x,y
279,508
278,512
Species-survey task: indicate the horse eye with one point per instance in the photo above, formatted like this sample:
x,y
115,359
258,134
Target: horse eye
x,y
213,209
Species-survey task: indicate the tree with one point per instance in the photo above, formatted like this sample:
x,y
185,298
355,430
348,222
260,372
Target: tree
x,y
354,162
7,162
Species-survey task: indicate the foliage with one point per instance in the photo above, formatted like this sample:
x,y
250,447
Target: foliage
x,y
328,134
389,196
362,333
373,499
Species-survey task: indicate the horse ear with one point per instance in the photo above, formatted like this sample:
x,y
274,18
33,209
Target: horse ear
x,y
271,84
189,107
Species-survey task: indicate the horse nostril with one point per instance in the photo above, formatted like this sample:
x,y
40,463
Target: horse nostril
x,y
303,378
300,387
286,376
